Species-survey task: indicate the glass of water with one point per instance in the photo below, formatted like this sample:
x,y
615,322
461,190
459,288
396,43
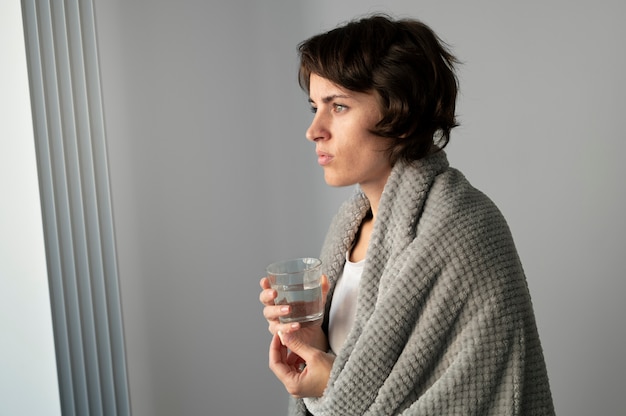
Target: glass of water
x,y
298,284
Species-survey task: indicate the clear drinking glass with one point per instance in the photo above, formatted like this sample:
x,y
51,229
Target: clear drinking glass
x,y
298,284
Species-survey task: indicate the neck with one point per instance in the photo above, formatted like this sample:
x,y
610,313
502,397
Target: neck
x,y
373,194
373,190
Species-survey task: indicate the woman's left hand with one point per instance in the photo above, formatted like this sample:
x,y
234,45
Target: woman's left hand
x,y
289,354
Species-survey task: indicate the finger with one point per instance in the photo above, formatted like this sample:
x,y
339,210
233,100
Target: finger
x,y
278,357
267,296
294,361
299,347
287,366
274,326
273,312
265,283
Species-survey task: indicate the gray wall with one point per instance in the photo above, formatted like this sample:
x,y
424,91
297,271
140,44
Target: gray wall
x,y
212,179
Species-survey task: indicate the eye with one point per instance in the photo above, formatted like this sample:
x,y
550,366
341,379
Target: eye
x,y
338,108
313,109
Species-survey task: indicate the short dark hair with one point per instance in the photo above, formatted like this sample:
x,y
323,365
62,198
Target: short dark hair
x,y
406,63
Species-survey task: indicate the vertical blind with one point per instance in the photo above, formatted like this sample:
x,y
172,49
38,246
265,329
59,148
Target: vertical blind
x,y
76,204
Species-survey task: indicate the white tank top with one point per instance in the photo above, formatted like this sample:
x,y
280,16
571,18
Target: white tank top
x,y
343,306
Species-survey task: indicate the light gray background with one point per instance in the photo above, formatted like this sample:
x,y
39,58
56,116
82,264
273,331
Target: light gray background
x,y
212,179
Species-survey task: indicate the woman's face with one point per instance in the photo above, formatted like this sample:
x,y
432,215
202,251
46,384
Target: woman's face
x,y
346,150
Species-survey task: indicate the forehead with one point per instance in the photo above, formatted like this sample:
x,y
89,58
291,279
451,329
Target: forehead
x,y
323,90
319,86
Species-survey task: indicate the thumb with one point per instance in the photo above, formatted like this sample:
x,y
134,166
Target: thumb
x,y
298,346
325,287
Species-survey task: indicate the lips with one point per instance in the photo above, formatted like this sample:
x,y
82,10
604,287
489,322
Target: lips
x,y
324,158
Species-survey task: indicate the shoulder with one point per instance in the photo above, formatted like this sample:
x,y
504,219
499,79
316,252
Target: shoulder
x,y
453,201
464,225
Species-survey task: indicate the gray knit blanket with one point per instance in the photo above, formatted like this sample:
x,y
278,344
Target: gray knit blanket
x,y
444,322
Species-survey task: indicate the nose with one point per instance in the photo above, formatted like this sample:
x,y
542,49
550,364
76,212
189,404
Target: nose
x,y
318,130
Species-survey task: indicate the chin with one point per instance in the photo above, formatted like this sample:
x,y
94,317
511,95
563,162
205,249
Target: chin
x,y
330,181
336,182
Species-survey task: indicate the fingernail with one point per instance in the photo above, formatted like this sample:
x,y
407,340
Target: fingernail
x,y
280,335
284,309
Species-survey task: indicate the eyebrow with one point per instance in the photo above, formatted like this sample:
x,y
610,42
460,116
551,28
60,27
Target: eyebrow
x,y
330,98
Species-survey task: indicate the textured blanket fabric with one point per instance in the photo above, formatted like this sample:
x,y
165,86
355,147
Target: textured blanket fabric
x,y
444,321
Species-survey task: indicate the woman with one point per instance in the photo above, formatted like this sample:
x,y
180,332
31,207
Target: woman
x,y
427,307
